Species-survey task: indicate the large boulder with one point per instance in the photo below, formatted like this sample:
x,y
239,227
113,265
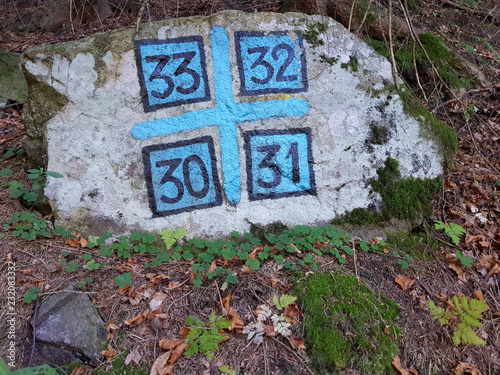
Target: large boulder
x,y
216,123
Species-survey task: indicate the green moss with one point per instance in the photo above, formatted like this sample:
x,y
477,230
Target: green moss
x,y
345,322
352,65
329,60
436,129
119,368
447,64
313,32
404,198
419,245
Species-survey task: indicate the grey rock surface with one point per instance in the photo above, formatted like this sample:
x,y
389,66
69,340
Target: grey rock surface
x,y
70,319
214,123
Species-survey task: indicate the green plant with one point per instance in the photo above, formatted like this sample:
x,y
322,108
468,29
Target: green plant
x,y
313,32
38,178
169,237
351,65
227,370
31,294
283,301
123,279
39,370
462,315
27,226
203,339
10,152
452,230
347,324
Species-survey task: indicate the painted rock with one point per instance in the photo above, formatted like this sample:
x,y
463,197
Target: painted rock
x,y
216,123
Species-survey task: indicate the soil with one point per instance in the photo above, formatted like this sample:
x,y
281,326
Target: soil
x,y
470,197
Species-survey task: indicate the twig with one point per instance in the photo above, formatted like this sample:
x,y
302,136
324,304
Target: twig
x,y
425,287
139,17
350,14
66,291
11,105
477,149
34,256
391,48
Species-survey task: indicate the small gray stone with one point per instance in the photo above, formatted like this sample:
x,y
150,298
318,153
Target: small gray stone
x,y
71,319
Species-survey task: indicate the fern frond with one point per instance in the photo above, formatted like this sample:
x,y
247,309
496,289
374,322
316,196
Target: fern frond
x,y
284,301
468,336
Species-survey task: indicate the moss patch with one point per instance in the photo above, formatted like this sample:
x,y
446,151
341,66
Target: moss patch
x,y
447,64
419,245
313,32
345,323
433,127
404,198
352,65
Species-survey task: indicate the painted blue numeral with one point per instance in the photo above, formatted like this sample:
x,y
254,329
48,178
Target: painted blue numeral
x,y
279,163
182,176
270,63
172,72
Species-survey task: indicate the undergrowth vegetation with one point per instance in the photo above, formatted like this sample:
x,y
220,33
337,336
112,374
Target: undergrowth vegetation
x,y
346,324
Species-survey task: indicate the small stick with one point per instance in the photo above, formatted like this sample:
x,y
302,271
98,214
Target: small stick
x,y
139,17
391,48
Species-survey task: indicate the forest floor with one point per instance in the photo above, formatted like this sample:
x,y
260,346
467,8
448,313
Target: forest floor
x,y
470,197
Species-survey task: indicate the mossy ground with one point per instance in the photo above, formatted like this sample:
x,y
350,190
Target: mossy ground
x,y
402,198
345,324
418,244
119,368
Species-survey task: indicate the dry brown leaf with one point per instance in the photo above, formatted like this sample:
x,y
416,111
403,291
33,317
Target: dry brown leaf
x,y
285,288
455,264
83,242
110,336
494,270
111,325
269,331
396,362
155,278
226,301
485,244
138,319
177,352
78,371
292,311
246,269
274,281
298,342
160,366
184,331
464,368
73,242
236,322
157,300
404,282
110,353
9,258
172,284
213,267
470,238
28,272
133,356
256,250
169,344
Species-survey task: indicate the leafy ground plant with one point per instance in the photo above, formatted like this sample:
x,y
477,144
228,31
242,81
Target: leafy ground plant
x,y
462,314
203,339
452,230
39,370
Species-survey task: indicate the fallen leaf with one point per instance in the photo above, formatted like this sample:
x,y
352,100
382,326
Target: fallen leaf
x,y
111,325
133,356
213,267
171,285
9,258
292,311
269,331
155,278
110,353
28,272
236,322
494,270
246,269
177,352
110,336
169,344
455,264
160,366
396,362
138,319
78,371
73,242
184,331
157,300
404,282
256,250
273,281
226,301
464,368
83,242
298,342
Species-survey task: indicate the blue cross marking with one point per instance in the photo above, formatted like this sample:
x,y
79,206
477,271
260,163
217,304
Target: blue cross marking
x,y
225,115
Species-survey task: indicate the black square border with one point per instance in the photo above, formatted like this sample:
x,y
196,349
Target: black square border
x,y
146,151
303,62
248,155
142,81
